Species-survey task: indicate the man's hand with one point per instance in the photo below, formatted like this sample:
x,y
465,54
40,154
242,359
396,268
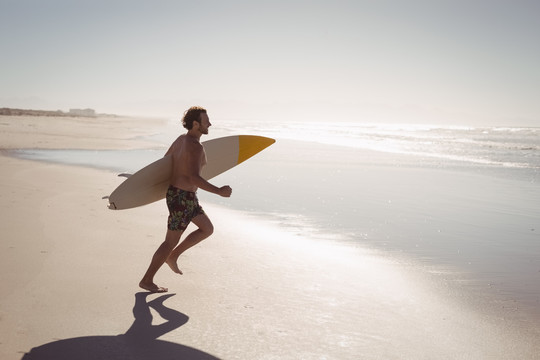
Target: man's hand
x,y
225,191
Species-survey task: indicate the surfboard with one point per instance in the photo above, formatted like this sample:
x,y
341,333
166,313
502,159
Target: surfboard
x,y
151,182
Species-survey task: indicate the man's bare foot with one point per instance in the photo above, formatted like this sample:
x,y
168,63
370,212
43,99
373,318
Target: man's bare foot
x,y
174,266
152,287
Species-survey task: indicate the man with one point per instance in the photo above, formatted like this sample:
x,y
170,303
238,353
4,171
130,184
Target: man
x,y
188,158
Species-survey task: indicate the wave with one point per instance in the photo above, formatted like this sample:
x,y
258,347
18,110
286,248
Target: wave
x,y
494,146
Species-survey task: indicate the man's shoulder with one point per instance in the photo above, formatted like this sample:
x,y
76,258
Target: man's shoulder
x,y
178,140
193,145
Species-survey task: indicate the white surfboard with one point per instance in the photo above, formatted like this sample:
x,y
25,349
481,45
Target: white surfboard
x,y
151,182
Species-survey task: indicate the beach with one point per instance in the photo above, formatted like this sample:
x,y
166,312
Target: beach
x,y
261,287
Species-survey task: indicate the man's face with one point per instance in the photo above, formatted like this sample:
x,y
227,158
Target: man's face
x,y
204,124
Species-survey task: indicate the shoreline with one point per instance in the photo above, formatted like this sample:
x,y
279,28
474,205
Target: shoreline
x,y
451,272
259,283
252,290
459,274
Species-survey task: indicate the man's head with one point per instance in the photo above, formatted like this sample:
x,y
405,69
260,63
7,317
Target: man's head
x,y
193,114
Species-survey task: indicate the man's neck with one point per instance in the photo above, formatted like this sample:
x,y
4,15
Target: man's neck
x,y
195,134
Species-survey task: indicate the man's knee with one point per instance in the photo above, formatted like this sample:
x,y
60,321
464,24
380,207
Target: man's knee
x,y
204,224
208,229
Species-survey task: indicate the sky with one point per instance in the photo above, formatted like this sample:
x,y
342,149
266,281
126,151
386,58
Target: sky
x,y
442,62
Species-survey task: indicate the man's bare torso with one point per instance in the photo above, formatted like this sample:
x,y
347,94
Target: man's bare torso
x,y
188,159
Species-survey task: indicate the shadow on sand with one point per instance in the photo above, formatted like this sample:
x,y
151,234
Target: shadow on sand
x,y
138,343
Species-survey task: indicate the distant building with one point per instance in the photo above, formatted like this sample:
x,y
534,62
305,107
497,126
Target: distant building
x,y
82,112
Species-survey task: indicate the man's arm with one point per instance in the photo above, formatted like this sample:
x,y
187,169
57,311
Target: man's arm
x,y
196,159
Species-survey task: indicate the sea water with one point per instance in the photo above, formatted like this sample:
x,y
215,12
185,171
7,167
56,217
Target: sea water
x,y
493,147
454,199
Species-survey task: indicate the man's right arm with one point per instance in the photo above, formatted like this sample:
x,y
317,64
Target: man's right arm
x,y
195,167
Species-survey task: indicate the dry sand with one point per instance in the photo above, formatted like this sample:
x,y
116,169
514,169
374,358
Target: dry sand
x,y
43,132
70,269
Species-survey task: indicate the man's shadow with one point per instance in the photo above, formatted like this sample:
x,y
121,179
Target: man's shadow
x,y
139,342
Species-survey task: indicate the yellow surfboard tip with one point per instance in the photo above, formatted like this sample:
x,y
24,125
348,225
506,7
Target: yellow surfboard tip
x,y
250,145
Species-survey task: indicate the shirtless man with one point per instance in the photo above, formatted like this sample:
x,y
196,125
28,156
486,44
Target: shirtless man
x,y
188,159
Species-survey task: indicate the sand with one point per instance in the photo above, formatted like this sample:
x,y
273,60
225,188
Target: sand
x,y
44,132
70,269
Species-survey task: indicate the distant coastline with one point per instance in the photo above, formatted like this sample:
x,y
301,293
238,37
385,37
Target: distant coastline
x,y
70,113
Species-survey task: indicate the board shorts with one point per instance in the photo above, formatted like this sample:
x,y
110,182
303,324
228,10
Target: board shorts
x,y
183,207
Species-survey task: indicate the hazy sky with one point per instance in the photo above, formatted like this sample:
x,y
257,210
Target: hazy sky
x,y
455,61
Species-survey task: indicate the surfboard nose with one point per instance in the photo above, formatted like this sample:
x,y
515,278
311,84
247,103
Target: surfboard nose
x,y
250,145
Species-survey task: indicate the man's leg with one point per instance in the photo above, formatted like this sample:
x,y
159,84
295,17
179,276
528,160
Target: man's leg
x,y
162,253
205,230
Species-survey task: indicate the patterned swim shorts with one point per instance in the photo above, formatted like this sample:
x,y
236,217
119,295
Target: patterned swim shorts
x,y
183,207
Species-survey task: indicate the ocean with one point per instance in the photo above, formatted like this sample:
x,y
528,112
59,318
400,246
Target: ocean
x,y
434,145
461,203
